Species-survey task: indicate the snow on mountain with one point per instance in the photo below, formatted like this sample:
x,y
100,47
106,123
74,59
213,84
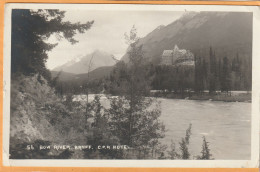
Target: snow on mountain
x,y
84,64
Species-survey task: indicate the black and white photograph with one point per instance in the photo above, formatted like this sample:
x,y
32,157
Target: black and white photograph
x,y
108,82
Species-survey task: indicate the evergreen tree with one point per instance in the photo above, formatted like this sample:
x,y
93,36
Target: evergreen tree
x,y
30,30
218,74
184,144
129,117
99,133
184,149
225,76
204,74
212,71
198,75
205,153
236,73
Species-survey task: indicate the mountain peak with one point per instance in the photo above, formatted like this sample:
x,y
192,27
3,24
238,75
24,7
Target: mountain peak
x,y
160,27
84,64
227,32
189,15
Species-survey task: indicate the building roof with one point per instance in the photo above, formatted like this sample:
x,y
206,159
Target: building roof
x,y
167,53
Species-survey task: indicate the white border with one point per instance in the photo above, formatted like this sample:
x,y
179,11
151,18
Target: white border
x,y
253,163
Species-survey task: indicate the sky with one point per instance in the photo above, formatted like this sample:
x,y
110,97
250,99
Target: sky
x,y
107,32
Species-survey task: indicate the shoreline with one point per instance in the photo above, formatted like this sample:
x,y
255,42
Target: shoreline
x,y
234,97
242,97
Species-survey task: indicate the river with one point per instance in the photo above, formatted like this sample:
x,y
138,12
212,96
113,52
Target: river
x,y
226,125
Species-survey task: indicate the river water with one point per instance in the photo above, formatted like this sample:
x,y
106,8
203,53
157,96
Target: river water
x,y
226,125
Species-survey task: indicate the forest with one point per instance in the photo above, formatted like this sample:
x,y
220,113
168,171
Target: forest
x,y
211,74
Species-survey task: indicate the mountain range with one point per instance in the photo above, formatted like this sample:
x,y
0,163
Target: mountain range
x,y
87,63
228,33
95,74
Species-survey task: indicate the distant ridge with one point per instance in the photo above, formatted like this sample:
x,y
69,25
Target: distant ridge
x,y
96,74
81,65
228,33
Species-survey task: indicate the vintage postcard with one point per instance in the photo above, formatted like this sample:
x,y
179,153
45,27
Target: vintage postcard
x,y
97,85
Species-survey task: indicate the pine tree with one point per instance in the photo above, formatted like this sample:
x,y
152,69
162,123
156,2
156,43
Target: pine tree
x,y
218,74
184,149
30,30
129,117
199,78
205,153
225,76
212,71
99,133
184,144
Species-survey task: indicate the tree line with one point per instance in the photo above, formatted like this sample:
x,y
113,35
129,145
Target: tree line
x,y
222,74
214,75
209,73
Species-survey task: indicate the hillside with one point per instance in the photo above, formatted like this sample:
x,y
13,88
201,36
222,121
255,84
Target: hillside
x,y
96,74
81,65
63,76
26,117
227,33
39,117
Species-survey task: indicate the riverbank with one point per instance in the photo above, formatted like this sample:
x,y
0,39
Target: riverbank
x,y
234,97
